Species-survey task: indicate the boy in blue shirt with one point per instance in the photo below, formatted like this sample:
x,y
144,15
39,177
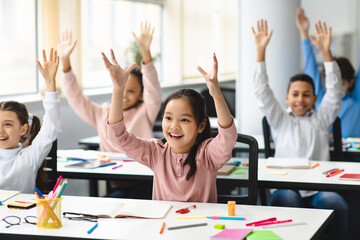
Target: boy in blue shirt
x,y
350,111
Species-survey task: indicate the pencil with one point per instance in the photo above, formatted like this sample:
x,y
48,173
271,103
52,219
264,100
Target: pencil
x,y
162,228
187,226
315,165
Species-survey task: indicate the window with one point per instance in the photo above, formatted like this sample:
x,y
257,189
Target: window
x,y
18,47
206,30
108,24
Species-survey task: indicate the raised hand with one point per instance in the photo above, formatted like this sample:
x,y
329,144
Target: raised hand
x,y
144,41
48,71
323,40
66,46
262,38
302,23
211,79
118,75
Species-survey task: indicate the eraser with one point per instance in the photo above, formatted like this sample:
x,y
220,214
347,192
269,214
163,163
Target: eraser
x,y
219,226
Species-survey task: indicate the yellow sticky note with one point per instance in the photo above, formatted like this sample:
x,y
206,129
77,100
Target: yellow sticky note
x,y
283,172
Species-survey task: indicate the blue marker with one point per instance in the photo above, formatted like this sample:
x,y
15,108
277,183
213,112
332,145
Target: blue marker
x,y
76,159
225,218
93,228
109,164
39,193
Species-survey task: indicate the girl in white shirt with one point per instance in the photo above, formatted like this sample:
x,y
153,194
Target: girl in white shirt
x,y
19,164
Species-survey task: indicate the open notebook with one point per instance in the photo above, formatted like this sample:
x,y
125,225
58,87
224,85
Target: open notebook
x,y
288,163
6,194
115,208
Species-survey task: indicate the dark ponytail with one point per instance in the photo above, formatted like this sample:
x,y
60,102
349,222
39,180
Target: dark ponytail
x,y
197,103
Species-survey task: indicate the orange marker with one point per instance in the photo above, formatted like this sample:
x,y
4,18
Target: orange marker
x,y
231,208
162,228
315,165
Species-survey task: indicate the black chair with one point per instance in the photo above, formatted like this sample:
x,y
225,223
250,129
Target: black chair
x,y
251,183
47,174
229,96
336,154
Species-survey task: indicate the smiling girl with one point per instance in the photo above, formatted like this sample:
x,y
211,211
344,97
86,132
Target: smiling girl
x,y
19,164
185,167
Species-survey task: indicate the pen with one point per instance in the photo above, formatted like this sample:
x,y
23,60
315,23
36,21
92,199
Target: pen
x,y
187,226
285,225
39,193
197,217
326,172
77,159
92,229
262,221
117,166
315,165
271,223
226,218
335,173
108,164
162,228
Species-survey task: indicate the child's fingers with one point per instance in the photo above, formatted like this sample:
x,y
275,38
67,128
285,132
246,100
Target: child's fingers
x,y
270,33
325,28
152,32
316,28
258,26
202,71
106,60
39,65
44,56
113,59
51,54
330,30
55,56
57,61
266,27
262,25
312,39
253,30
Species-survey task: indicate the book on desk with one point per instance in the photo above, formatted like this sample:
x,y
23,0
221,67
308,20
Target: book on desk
x,y
288,163
115,208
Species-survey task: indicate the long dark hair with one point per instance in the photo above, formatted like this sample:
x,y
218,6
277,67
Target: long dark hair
x,y
347,71
197,103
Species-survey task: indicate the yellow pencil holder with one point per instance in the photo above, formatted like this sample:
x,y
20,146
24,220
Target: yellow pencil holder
x,y
48,213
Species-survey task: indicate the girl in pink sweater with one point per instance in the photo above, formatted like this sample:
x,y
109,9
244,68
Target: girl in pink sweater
x,y
142,99
185,167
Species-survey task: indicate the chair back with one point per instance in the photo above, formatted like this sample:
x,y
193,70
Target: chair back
x,y
269,152
251,184
47,174
229,96
337,141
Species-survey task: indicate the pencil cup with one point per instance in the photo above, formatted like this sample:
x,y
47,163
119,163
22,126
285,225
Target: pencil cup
x,y
48,213
231,208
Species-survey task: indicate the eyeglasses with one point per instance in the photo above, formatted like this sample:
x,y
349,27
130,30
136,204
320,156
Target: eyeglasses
x,y
80,216
15,220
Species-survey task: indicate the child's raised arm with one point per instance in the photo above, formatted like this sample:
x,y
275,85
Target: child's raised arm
x,y
262,38
66,46
302,23
119,77
224,116
323,41
144,41
48,71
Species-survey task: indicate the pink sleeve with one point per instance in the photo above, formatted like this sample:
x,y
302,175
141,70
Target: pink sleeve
x,y
142,150
84,108
152,91
215,152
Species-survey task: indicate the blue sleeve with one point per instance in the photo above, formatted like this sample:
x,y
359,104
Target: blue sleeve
x,y
311,69
356,91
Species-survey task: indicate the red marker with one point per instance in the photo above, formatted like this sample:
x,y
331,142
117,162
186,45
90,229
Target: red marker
x,y
271,223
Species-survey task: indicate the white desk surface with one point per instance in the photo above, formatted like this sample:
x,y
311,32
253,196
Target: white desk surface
x,y
132,228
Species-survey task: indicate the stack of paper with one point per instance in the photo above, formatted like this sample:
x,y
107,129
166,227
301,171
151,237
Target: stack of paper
x,y
6,194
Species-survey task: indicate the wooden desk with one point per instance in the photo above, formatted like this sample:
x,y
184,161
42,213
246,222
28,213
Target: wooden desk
x,y
135,228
